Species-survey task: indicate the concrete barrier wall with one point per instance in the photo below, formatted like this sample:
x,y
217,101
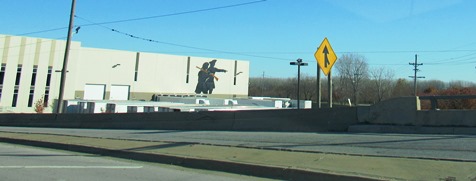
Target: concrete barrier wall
x,y
309,120
296,120
400,111
465,118
405,111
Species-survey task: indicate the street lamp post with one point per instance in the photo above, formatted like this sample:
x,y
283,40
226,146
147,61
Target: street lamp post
x,y
299,63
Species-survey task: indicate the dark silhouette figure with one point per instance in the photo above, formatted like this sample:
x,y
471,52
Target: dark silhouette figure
x,y
210,82
202,79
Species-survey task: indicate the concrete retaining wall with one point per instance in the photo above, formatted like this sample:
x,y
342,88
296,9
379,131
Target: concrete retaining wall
x,y
412,129
308,120
396,112
401,111
465,118
405,111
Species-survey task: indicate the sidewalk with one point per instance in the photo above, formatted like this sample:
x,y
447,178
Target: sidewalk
x,y
264,163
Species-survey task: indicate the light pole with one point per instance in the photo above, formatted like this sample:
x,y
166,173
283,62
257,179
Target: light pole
x,y
299,63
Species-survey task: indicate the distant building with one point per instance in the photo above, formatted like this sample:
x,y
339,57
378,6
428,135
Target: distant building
x,y
31,70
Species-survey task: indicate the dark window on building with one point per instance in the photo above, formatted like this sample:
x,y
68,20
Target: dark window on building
x,y
188,70
2,73
48,77
17,80
15,97
47,88
235,73
47,96
33,75
136,67
30,98
1,89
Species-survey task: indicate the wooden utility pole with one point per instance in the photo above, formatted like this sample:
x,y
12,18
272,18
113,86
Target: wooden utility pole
x,y
415,77
59,108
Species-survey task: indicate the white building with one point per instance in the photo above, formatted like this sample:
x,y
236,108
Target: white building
x,y
31,70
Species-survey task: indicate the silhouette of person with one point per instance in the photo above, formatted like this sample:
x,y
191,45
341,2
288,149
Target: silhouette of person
x,y
202,78
210,82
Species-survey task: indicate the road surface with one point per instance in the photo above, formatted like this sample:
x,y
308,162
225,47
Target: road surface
x,y
22,163
439,147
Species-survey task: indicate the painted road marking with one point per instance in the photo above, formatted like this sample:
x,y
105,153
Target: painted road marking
x,y
71,167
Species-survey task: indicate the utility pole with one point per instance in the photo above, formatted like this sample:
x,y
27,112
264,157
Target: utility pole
x,y
415,77
59,108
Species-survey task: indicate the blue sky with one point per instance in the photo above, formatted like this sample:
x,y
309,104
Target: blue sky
x,y
270,33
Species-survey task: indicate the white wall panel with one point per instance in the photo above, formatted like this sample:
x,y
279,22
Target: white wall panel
x,y
94,91
119,92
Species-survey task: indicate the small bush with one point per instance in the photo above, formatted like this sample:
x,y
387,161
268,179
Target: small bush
x,y
39,105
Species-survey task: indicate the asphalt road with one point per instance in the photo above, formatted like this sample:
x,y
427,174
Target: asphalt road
x,y
21,163
446,147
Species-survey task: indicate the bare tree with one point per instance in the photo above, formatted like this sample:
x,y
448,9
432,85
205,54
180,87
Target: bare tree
x,y
461,84
308,87
287,88
433,84
382,79
402,88
352,69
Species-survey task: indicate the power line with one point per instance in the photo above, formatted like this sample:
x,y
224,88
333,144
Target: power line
x,y
33,43
408,51
43,31
149,17
176,44
175,14
191,47
452,60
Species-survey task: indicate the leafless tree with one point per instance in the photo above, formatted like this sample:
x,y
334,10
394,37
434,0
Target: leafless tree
x,y
382,79
402,88
352,70
308,87
461,84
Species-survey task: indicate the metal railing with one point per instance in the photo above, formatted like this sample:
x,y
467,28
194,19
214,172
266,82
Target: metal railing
x,y
434,99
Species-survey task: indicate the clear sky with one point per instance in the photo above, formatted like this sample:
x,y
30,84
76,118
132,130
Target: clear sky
x,y
269,33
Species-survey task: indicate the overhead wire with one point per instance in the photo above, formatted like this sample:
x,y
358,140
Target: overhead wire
x,y
175,44
148,17
178,13
452,60
444,61
102,24
34,43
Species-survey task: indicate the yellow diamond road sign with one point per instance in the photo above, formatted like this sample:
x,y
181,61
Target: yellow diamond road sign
x,y
325,56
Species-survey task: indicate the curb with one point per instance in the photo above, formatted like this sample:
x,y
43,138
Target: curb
x,y
272,172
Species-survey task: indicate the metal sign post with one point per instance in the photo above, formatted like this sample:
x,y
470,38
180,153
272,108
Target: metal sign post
x,y
325,58
329,85
318,90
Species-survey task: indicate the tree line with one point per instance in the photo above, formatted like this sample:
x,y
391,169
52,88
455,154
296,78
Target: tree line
x,y
353,80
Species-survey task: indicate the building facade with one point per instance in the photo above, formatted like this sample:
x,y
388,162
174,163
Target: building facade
x,y
31,70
